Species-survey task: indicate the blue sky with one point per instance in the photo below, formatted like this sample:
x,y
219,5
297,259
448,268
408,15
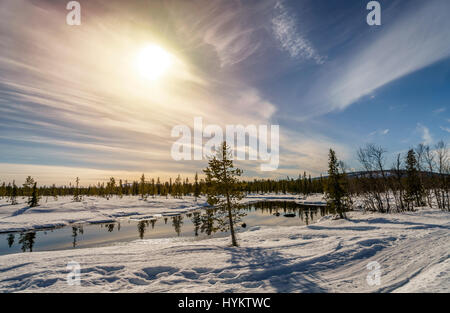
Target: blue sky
x,y
72,105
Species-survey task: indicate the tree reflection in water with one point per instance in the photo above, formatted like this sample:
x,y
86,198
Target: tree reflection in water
x,y
203,222
27,241
75,231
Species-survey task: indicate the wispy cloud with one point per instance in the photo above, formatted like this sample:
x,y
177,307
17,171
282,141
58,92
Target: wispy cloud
x,y
379,132
234,30
447,129
284,25
440,110
398,49
427,139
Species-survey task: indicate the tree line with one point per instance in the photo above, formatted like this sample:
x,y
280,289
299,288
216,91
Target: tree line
x,y
151,188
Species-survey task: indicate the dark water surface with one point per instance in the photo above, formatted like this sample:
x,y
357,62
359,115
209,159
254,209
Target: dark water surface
x,y
198,224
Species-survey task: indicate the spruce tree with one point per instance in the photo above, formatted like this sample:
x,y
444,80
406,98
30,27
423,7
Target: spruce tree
x,y
76,195
196,187
153,188
14,194
414,192
54,192
305,184
223,189
33,201
29,182
3,190
178,188
165,190
158,187
142,187
111,187
335,191
120,189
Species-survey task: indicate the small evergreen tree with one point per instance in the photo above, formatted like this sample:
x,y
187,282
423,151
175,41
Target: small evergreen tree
x,y
120,189
54,192
153,188
158,186
13,197
223,189
414,192
110,188
305,184
196,187
76,194
29,182
33,200
177,188
336,191
165,190
3,190
142,189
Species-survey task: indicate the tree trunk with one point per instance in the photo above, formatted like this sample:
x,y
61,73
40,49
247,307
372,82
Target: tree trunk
x,y
230,218
230,215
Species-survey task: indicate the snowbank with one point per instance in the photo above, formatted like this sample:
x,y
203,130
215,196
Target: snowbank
x,y
412,250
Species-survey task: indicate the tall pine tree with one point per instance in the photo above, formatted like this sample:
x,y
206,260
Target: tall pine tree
x,y
414,192
223,189
336,191
196,187
13,197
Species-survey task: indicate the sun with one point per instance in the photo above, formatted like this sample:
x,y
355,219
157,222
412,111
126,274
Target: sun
x,y
153,62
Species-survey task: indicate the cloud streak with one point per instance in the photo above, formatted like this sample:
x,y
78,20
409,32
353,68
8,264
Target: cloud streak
x,y
284,26
415,39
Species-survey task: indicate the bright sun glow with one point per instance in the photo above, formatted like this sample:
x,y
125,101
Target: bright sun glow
x,y
153,62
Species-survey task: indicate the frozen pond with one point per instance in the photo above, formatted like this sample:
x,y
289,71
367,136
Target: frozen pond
x,y
196,224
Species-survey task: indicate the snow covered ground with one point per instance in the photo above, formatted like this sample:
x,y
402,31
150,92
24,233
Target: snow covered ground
x,y
64,211
412,250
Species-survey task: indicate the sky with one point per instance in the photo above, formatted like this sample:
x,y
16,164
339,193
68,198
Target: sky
x,y
73,103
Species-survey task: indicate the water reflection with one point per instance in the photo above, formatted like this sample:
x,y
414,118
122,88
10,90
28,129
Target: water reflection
x,y
75,231
177,222
196,221
208,223
196,224
10,240
110,227
141,228
27,241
